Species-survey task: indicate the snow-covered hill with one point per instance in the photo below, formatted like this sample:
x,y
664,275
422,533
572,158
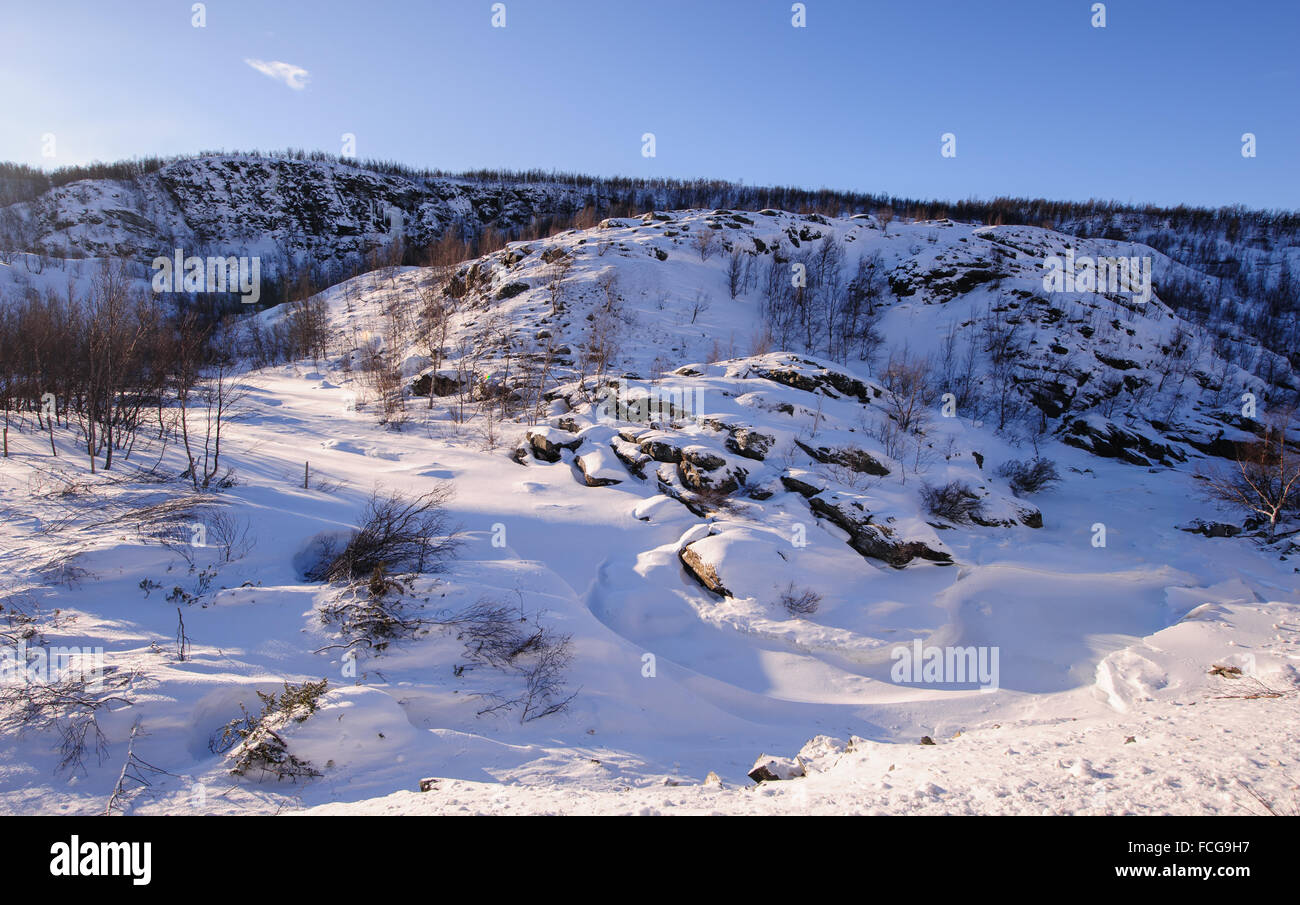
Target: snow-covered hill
x,y
697,444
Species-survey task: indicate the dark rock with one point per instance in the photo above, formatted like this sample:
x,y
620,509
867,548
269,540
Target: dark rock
x,y
662,451
591,480
1210,529
803,488
510,290
1119,364
750,443
702,571
546,449
439,384
702,459
853,459
1114,442
631,456
775,769
872,540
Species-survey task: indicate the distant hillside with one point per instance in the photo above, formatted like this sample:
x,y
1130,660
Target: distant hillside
x,y
316,219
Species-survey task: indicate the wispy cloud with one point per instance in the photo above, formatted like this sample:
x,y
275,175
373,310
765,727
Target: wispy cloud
x,y
294,76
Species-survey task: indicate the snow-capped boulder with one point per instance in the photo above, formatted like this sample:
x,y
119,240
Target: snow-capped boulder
x,y
773,769
600,467
546,443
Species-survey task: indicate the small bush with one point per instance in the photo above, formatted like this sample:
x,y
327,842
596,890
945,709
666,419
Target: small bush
x,y
800,601
500,636
67,707
397,534
374,612
253,741
954,501
1029,475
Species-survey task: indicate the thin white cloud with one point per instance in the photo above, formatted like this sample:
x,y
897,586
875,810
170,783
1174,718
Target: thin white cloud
x,y
294,76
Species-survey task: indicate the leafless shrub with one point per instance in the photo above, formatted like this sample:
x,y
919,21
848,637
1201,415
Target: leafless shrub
x,y
705,242
499,636
1265,480
21,613
381,374
893,439
63,569
800,601
701,304
68,708
230,534
397,534
736,268
1029,475
909,385
137,774
374,613
182,638
848,477
954,501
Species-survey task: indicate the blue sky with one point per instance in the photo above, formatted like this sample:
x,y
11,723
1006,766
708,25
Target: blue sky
x,y
1150,108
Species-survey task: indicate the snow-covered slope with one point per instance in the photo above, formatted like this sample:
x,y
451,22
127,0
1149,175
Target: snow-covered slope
x,y
663,540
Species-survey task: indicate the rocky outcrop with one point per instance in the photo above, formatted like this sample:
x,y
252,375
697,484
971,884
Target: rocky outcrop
x,y
597,469
805,483
874,541
812,377
703,571
1110,441
701,470
661,450
858,460
633,459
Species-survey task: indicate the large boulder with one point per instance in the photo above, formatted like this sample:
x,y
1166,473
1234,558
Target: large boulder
x,y
773,769
803,482
661,450
1211,529
546,443
633,459
812,377
438,384
599,467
